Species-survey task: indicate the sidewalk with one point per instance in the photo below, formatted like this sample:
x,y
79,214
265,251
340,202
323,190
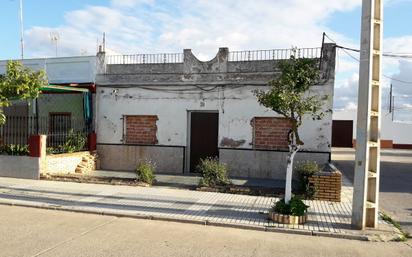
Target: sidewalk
x,y
207,208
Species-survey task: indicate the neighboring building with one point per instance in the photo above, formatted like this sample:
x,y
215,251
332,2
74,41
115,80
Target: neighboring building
x,y
175,109
67,103
394,134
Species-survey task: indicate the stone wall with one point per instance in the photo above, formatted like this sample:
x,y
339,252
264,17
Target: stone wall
x,y
328,185
67,163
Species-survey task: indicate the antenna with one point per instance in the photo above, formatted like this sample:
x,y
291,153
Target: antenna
x,y
21,30
390,100
55,37
104,41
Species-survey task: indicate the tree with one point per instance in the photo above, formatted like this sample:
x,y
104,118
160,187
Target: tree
x,y
19,83
289,96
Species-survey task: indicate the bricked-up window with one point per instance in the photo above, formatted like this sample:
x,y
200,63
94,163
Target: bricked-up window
x,y
141,129
270,133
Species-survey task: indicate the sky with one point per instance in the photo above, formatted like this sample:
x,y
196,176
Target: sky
x,y
155,26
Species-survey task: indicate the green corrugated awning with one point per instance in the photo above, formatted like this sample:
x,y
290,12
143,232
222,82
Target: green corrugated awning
x,y
58,88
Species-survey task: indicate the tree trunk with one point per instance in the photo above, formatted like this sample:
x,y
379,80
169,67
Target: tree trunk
x,y
293,149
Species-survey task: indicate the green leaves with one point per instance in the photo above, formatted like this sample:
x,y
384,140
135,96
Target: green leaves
x,y
288,94
295,207
19,82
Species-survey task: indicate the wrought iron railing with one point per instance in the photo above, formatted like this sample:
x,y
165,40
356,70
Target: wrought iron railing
x,y
274,54
234,56
17,130
145,58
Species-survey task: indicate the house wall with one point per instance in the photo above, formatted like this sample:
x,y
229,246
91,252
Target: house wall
x,y
397,132
172,92
78,69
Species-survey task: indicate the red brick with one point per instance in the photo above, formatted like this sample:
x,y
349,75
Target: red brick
x,y
270,132
141,129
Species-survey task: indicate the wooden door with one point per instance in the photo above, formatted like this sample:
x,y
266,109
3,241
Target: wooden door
x,y
204,128
342,133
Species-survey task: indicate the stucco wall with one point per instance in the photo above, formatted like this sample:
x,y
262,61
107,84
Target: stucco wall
x,y
20,167
264,164
390,130
169,160
236,107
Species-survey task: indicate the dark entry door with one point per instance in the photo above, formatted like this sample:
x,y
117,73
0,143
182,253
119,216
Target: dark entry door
x,y
342,131
203,137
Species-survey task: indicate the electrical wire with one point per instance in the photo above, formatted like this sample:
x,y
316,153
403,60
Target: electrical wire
x,y
386,54
346,49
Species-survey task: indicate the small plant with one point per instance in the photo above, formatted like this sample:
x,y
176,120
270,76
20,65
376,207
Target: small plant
x,y
295,207
51,150
404,234
145,171
305,170
213,172
13,149
75,142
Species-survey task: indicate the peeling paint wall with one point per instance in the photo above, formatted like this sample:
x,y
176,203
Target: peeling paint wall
x,y
236,107
217,85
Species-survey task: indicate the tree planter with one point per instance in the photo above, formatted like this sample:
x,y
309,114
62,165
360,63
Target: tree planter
x,y
288,219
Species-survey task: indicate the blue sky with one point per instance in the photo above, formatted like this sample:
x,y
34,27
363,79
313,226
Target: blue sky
x,y
136,26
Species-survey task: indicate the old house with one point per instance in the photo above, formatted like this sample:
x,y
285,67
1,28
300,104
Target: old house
x,y
175,109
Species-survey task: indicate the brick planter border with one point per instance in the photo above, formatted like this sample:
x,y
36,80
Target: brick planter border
x,y
288,219
328,185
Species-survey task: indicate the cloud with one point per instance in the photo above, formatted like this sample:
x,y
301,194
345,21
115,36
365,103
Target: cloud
x,y
135,26
150,26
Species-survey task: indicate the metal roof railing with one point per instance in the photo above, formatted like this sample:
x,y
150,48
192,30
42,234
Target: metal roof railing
x,y
273,54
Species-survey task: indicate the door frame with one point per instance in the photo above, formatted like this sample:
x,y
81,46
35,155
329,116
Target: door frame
x,y
188,135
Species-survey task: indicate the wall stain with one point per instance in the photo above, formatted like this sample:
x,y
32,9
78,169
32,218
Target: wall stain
x,y
229,142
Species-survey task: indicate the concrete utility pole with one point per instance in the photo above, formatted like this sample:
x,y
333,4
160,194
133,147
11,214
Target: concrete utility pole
x,y
367,166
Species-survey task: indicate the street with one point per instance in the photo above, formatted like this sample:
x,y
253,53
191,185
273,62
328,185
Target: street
x,y
395,181
37,232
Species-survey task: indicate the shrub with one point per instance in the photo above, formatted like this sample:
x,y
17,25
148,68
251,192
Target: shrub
x,y
305,170
213,172
145,171
13,149
75,142
51,150
295,207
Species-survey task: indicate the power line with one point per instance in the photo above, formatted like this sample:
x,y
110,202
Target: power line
x,y
386,54
346,49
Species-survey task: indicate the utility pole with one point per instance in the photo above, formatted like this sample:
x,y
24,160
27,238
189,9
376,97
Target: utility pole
x,y
21,29
367,161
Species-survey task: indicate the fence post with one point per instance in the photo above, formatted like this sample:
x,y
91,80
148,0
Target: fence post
x,y
37,145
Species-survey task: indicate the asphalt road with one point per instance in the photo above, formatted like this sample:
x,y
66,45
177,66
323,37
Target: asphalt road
x,y
395,181
37,232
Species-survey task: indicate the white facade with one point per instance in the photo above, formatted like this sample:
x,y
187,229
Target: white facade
x,y
398,132
236,107
224,85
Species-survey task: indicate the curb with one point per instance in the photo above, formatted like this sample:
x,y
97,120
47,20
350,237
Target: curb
x,y
190,221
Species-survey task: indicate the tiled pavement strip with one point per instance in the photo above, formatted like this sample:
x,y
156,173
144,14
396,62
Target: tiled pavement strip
x,y
209,208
